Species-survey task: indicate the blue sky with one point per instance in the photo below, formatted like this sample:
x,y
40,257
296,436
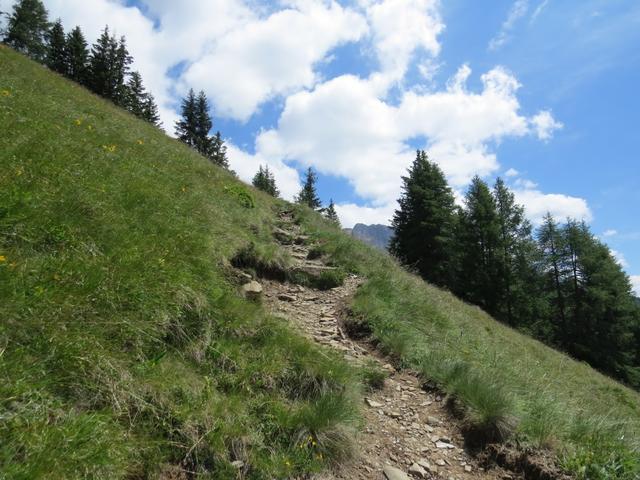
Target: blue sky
x,y
542,92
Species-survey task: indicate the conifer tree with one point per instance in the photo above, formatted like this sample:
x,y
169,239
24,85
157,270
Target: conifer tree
x,y
424,222
203,142
308,195
109,67
28,28
136,95
331,214
77,56
186,128
150,111
56,58
479,278
516,261
265,181
219,156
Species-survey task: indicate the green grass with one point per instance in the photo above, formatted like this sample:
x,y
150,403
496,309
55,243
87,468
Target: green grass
x,y
508,386
125,349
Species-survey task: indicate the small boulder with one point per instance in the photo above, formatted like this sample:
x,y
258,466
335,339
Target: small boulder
x,y
252,290
286,297
393,473
373,403
417,471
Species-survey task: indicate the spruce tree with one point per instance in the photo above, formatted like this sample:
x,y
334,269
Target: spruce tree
x,y
265,181
56,58
77,56
516,260
136,95
479,279
109,67
150,111
331,214
203,142
219,155
308,195
424,222
28,28
186,128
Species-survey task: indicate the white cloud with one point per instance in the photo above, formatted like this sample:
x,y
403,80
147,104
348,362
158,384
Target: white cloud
x,y
544,125
620,258
539,10
635,284
350,214
561,206
517,11
263,58
398,28
610,233
512,172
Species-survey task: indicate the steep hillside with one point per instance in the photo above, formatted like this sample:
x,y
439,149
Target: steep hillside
x,y
126,350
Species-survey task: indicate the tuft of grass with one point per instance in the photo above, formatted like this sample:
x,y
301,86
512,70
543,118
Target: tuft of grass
x,y
373,376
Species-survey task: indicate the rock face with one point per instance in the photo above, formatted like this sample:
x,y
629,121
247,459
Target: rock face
x,y
375,235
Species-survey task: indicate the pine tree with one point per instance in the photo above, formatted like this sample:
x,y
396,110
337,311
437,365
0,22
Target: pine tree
x,y
186,128
516,262
479,279
109,67
77,56
551,244
136,95
56,58
424,223
265,181
308,195
331,214
219,156
150,111
28,28
204,124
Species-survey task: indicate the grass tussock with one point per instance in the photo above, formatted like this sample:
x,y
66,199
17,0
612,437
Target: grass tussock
x,y
503,383
125,351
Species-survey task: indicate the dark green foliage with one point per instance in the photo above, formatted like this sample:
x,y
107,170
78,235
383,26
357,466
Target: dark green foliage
x,y
150,111
219,153
109,67
265,181
194,126
308,195
77,56
478,240
136,95
56,58
331,214
28,28
186,127
424,222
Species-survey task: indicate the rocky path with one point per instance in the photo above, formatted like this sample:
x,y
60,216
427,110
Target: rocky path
x,y
408,432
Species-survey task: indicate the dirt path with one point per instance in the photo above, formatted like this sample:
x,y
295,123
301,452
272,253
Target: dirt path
x,y
408,433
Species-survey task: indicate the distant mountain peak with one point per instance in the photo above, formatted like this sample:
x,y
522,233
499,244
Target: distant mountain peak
x,y
376,235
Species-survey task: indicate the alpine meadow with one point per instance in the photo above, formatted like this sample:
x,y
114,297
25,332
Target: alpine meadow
x,y
178,305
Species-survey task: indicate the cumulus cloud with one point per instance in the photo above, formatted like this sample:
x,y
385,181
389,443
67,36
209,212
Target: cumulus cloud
x,y
635,284
619,256
512,172
544,125
263,58
518,10
350,214
610,233
561,206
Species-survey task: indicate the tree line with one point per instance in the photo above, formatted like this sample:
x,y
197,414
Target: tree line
x,y
558,282
104,68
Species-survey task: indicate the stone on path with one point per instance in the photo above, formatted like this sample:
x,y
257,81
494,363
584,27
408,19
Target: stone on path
x,y
252,290
373,403
286,297
417,471
393,473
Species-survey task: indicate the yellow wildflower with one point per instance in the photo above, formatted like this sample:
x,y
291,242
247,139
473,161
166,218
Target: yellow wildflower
x,y
287,463
78,121
89,127
184,189
109,148
3,258
140,142
5,93
19,171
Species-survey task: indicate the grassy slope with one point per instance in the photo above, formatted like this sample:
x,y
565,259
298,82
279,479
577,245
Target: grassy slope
x,y
123,336
124,348
509,383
